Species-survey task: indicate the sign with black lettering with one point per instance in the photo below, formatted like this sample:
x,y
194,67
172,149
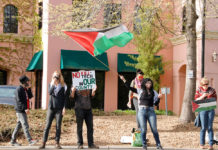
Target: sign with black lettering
x,y
84,80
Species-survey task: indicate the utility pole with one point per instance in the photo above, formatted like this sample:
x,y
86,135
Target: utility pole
x,y
203,39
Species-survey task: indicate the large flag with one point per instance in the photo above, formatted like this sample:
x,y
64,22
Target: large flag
x,y
97,42
204,105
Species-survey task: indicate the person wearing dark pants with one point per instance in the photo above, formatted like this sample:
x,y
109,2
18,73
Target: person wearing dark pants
x,y
81,115
57,90
83,112
146,110
23,94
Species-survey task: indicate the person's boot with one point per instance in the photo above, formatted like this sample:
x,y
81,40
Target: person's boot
x,y
43,145
93,146
58,146
80,146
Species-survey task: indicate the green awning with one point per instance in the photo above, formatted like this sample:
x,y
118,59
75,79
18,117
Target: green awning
x,y
73,59
121,66
36,62
122,58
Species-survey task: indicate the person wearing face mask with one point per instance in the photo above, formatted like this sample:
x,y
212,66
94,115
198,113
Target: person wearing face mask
x,y
146,96
57,91
206,117
23,94
136,83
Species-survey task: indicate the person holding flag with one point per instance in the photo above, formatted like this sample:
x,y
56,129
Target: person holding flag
x,y
203,93
23,94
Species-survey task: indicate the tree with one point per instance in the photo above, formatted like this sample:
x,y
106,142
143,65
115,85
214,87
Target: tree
x,y
187,115
148,45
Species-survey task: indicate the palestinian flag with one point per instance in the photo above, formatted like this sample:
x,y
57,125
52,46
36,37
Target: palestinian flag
x,y
203,105
97,42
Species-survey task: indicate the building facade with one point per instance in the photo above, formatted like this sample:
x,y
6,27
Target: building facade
x,y
62,53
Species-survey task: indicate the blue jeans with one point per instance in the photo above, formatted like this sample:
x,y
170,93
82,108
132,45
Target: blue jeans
x,y
144,115
206,118
135,102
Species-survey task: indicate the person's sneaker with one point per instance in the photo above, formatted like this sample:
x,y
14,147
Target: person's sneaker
x,y
210,148
58,146
32,142
80,147
145,147
14,143
93,146
159,147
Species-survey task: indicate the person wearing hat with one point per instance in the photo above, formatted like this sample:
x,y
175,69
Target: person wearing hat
x,y
23,94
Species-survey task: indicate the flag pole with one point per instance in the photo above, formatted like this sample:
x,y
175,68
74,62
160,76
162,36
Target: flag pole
x,y
105,65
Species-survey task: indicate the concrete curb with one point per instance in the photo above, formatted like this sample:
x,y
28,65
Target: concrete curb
x,y
85,147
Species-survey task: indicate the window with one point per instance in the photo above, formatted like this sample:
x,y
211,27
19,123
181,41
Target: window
x,y
40,15
137,20
184,19
112,14
10,19
3,77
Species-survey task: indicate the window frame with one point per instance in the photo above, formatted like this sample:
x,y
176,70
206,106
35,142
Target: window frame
x,y
10,21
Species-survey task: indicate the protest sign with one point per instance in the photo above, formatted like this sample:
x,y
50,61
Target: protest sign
x,y
84,80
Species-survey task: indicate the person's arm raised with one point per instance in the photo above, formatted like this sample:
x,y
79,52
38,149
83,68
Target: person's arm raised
x,y
94,91
127,84
73,90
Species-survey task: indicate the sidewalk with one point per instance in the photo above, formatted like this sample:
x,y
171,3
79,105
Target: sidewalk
x,y
85,147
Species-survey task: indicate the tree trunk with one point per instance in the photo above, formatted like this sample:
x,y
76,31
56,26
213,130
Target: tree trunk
x,y
187,115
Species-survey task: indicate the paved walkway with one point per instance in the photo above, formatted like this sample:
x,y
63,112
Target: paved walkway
x,y
74,148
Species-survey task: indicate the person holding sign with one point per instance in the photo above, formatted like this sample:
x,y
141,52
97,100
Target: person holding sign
x,y
146,96
205,93
57,91
83,112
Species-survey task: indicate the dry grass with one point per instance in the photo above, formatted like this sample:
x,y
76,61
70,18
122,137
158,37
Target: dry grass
x,y
107,129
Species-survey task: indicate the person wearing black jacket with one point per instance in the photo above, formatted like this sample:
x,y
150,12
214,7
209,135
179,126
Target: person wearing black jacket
x,y
57,90
23,94
146,113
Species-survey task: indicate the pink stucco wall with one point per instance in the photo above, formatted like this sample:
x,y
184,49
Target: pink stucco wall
x,y
55,44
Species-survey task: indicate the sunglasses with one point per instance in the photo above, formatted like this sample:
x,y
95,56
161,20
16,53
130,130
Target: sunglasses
x,y
205,84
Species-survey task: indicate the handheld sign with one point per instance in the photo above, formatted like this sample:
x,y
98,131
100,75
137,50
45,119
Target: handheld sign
x,y
84,80
204,105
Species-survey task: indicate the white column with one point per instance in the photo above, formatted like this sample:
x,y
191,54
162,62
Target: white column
x,y
45,22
